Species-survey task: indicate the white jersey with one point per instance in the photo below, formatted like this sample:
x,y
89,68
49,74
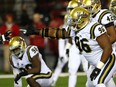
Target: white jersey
x,y
86,42
29,53
104,17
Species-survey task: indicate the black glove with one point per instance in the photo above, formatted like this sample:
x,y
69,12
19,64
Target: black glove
x,y
95,73
30,30
7,35
67,52
23,73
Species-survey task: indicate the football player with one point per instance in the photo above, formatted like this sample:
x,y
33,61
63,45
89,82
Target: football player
x,y
5,37
75,59
27,61
98,81
92,41
104,17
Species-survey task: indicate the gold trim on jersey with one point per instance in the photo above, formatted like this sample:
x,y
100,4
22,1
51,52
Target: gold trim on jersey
x,y
102,15
107,69
28,54
92,33
42,75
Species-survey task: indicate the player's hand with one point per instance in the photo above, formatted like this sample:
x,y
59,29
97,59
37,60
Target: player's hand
x,y
95,73
67,52
7,36
17,79
22,73
30,30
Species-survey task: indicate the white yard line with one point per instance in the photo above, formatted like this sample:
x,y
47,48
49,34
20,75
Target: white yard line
x,y
62,75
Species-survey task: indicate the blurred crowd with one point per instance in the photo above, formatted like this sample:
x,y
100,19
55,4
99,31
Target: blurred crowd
x,y
16,14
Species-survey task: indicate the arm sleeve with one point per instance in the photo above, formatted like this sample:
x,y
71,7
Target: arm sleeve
x,y
99,30
33,51
107,19
15,72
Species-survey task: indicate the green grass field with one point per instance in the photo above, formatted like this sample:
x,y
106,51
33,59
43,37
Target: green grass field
x,y
62,82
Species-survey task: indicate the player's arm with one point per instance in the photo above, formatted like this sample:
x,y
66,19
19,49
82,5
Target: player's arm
x,y
104,42
36,65
47,32
112,33
106,45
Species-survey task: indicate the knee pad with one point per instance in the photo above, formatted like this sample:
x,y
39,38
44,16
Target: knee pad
x,y
100,85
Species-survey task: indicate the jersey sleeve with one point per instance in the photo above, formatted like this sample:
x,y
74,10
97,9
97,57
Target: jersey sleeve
x,y
106,18
97,30
33,51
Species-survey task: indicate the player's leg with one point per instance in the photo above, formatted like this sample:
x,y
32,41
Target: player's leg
x,y
84,63
32,82
100,85
61,62
74,63
40,80
89,83
58,70
111,83
45,82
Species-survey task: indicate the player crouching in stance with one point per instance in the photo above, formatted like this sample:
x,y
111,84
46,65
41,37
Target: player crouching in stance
x,y
27,61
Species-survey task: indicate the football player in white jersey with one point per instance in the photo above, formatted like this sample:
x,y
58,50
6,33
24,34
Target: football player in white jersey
x,y
104,17
27,61
92,41
75,58
63,59
97,32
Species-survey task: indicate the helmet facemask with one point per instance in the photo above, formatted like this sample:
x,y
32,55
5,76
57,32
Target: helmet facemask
x,y
17,46
79,18
18,51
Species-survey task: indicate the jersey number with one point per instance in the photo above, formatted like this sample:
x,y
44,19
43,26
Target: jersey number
x,y
34,49
110,18
82,46
101,30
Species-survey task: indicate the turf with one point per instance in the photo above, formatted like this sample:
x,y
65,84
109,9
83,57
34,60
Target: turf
x,y
62,82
